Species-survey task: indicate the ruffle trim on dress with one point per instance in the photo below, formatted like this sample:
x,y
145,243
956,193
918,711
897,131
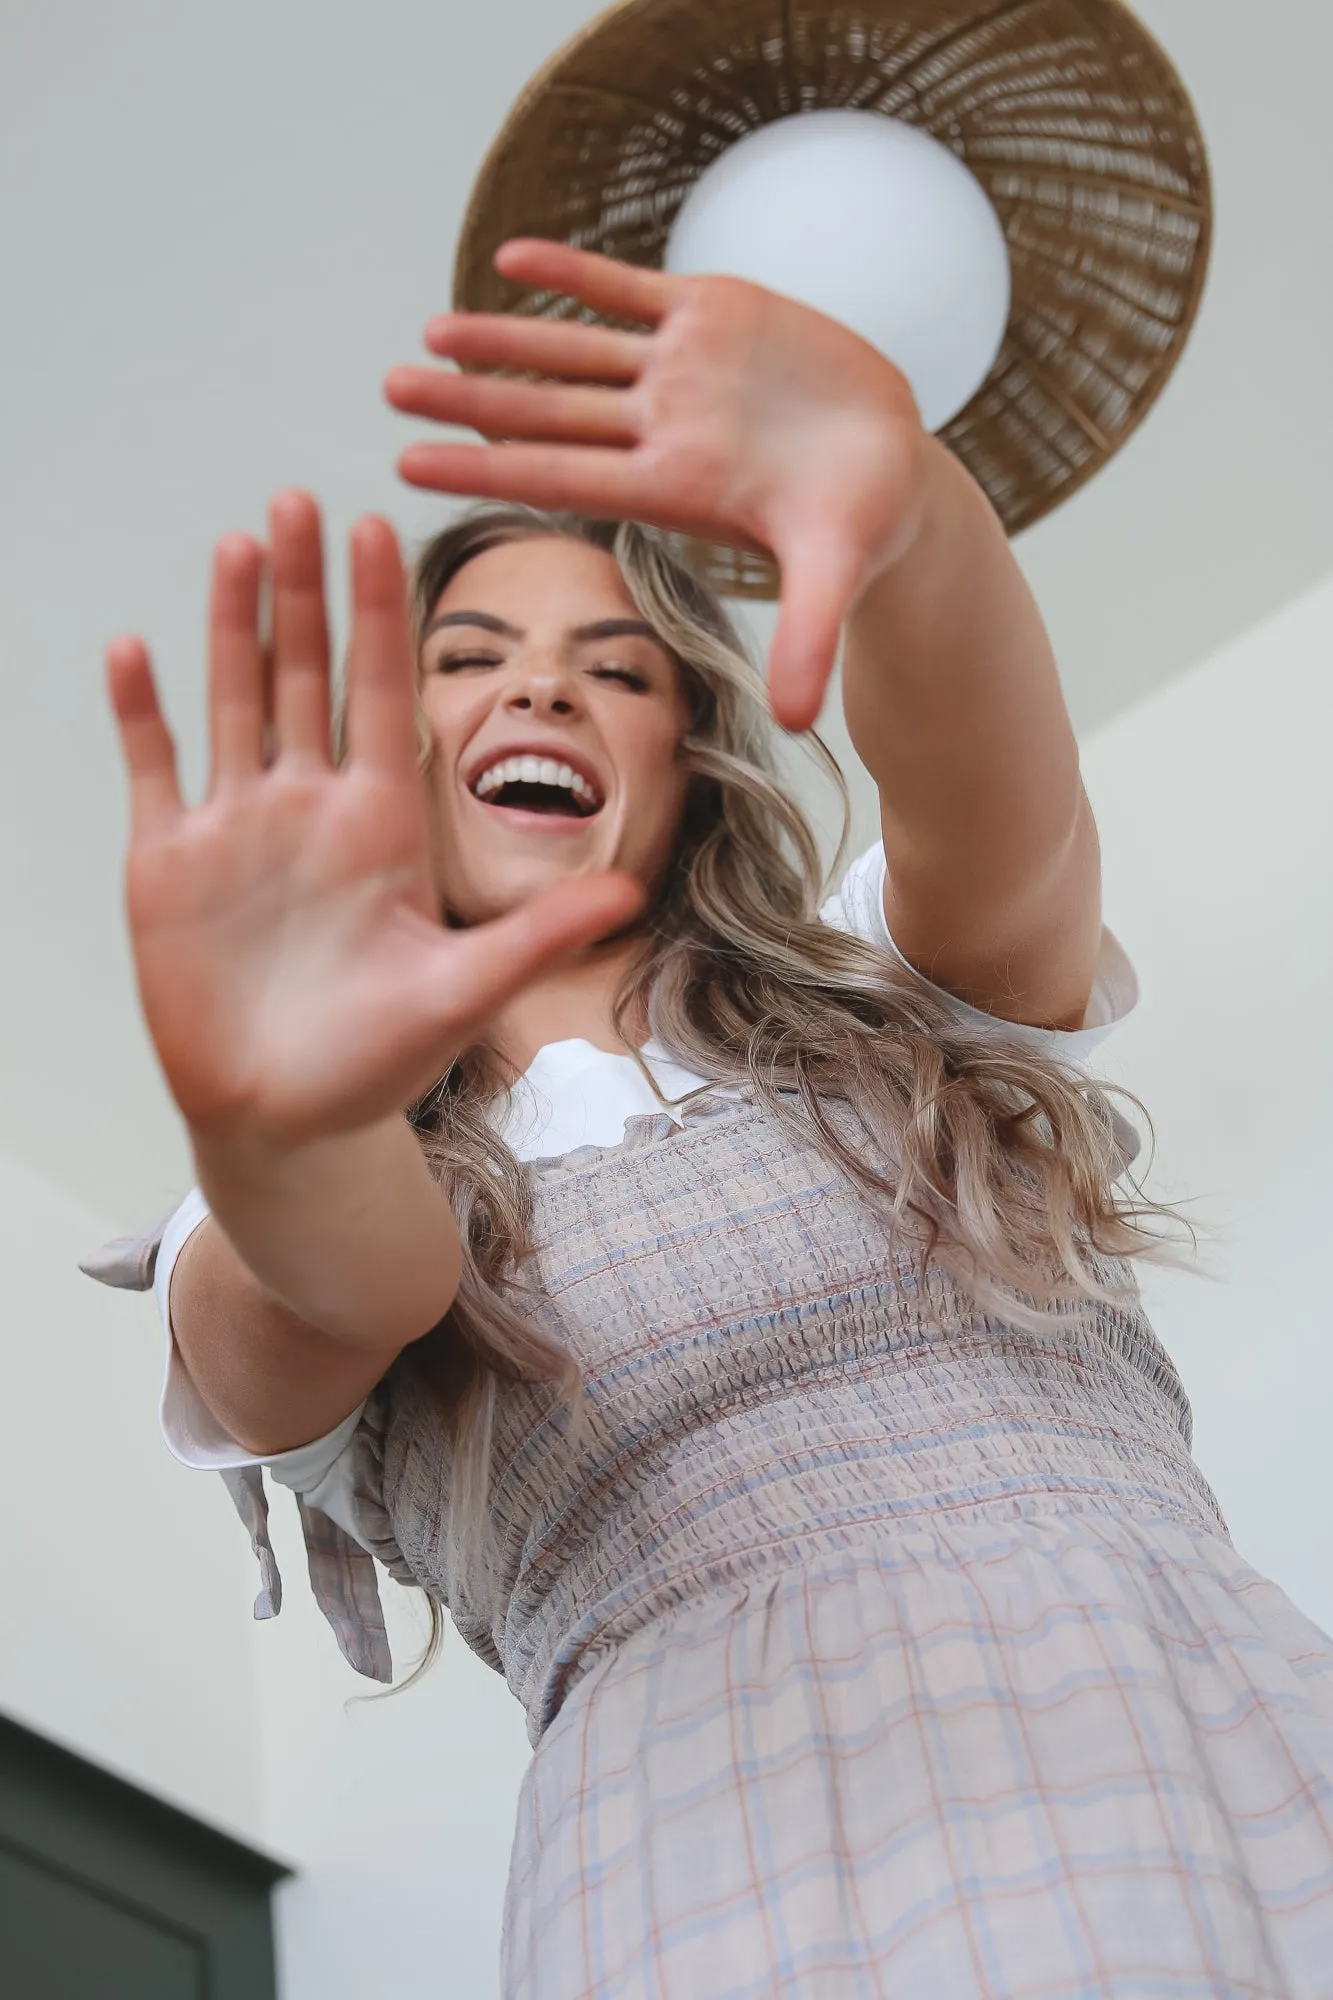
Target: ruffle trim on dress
x,y
652,1128
714,1101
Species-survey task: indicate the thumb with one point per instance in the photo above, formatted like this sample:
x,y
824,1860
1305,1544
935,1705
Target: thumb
x,y
495,960
819,583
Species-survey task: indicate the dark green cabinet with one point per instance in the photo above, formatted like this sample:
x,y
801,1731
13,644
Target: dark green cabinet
x,y
108,1894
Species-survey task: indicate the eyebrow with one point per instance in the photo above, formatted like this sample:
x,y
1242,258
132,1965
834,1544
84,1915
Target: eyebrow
x,y
601,628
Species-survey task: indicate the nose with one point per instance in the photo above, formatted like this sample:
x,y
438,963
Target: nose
x,y
543,688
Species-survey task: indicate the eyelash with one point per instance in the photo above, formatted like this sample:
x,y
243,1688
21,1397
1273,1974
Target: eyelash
x,y
450,662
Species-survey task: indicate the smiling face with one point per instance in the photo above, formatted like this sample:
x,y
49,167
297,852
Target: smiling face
x,y
556,720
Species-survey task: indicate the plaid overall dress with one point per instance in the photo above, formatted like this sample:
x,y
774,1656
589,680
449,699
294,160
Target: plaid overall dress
x,y
872,1648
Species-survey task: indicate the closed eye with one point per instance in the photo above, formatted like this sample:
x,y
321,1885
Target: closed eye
x,y
627,675
449,663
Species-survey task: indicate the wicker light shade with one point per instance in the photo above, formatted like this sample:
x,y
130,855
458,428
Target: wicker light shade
x,y
1066,111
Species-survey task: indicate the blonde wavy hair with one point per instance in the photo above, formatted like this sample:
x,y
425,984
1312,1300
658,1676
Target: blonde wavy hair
x,y
1009,1169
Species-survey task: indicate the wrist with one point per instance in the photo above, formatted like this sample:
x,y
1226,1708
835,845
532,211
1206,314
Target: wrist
x,y
939,516
351,1231
278,1167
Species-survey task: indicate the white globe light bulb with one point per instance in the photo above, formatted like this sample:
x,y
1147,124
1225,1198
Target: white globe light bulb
x,y
872,222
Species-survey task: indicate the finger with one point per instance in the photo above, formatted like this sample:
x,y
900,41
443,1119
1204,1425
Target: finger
x,y
626,291
538,411
145,740
300,630
544,346
581,478
818,587
381,668
498,959
236,670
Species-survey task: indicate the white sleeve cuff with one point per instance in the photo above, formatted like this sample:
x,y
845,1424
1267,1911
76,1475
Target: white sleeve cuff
x,y
192,1433
857,906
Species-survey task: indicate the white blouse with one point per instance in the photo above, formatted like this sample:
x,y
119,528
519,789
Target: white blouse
x,y
577,1095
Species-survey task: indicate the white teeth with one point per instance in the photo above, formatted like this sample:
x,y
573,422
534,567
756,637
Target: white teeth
x,y
528,770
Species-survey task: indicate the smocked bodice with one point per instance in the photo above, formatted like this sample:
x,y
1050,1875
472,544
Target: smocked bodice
x,y
764,1380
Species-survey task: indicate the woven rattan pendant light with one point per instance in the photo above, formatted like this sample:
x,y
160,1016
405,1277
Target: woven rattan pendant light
x,y
1066,111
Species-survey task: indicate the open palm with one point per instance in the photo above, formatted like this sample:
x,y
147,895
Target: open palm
x,y
293,969
738,416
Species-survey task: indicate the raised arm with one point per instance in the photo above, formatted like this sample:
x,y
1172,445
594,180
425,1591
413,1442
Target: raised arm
x,y
301,990
953,703
742,417
362,1256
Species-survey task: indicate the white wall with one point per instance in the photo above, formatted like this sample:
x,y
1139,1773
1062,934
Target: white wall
x,y
1216,810
400,1808
126,1588
124,1592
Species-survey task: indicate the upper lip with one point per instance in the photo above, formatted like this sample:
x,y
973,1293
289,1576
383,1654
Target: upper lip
x,y
559,753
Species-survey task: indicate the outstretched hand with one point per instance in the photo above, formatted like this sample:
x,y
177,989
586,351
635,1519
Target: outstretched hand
x,y
295,974
738,417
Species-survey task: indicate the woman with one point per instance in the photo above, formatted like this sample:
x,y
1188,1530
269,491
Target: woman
x,y
739,1335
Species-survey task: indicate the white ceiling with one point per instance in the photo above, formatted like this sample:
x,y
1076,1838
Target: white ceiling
x,y
220,225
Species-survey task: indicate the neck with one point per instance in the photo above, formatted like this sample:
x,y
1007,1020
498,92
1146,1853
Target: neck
x,y
573,998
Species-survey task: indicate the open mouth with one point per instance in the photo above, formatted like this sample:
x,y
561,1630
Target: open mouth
x,y
537,785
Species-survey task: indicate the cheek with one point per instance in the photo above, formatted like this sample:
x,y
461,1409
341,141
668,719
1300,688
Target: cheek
x,y
446,727
435,718
454,704
656,822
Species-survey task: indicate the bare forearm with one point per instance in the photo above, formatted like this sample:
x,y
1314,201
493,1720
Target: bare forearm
x,y
315,1270
954,704
352,1232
